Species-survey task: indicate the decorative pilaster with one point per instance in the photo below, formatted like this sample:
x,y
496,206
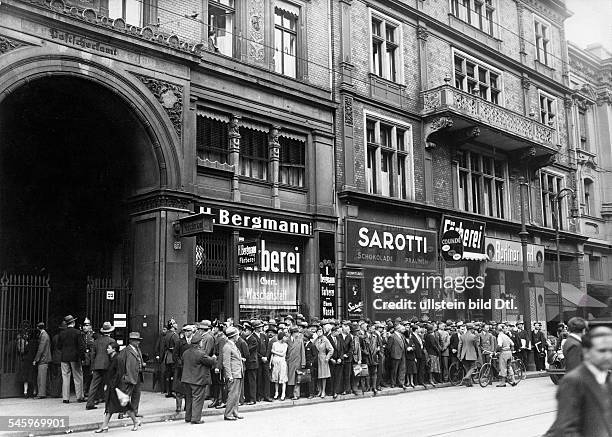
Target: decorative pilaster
x,y
422,35
526,82
520,8
274,163
234,154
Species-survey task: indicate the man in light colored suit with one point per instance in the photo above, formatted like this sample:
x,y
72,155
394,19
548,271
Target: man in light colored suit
x,y
584,394
233,371
467,352
42,358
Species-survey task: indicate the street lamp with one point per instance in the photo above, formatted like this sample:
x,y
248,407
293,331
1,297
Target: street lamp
x,y
524,234
556,198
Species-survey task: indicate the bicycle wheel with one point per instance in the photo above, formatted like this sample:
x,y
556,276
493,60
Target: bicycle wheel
x,y
485,375
476,372
455,374
518,372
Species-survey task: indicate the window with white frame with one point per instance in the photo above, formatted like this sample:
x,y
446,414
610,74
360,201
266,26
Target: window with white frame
x,y
130,10
286,16
221,16
478,13
482,184
542,39
550,186
477,78
548,109
388,158
385,48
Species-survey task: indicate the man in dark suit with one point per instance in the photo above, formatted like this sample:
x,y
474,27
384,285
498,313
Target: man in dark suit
x,y
419,354
538,339
454,343
72,346
219,387
585,394
131,364
396,351
572,348
42,359
263,369
335,362
252,365
243,347
347,356
196,374
524,344
99,365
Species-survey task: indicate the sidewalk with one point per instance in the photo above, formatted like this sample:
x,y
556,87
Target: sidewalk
x,y
156,408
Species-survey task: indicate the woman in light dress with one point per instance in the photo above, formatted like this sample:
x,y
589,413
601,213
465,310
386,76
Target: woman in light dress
x,y
325,352
278,364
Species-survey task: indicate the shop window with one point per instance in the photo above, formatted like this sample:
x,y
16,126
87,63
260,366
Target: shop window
x,y
388,159
542,39
253,153
550,185
286,16
478,13
595,268
130,10
212,139
221,19
292,161
481,184
584,134
211,255
385,36
477,78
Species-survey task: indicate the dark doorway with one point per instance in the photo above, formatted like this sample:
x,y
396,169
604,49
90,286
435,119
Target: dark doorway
x,y
211,300
71,154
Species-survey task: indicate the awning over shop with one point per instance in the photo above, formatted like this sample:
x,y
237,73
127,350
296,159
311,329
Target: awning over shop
x,y
471,256
573,295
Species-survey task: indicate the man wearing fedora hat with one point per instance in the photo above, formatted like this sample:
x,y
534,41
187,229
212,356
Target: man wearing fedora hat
x,y
233,372
100,362
72,346
130,365
196,375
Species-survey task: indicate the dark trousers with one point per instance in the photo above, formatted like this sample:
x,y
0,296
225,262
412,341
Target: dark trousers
x,y
263,381
96,388
420,375
87,377
219,388
311,387
373,369
250,386
524,356
538,360
337,386
168,376
444,367
194,402
135,397
398,371
380,371
347,370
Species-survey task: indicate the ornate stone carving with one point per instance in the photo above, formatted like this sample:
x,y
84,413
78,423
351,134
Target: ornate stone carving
x,y
604,96
526,82
6,44
171,98
162,201
435,131
234,133
422,33
348,110
273,144
544,10
256,29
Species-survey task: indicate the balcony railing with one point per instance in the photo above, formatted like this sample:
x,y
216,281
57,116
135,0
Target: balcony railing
x,y
449,98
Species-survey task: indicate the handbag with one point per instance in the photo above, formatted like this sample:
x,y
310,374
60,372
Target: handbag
x,y
303,376
356,369
123,398
364,370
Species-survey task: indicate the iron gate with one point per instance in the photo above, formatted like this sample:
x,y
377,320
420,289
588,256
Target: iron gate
x,y
105,302
22,298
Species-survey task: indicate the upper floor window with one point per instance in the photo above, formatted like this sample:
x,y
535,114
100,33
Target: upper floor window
x,y
130,10
286,38
212,140
589,197
482,184
478,13
477,78
385,48
595,268
582,125
292,169
542,39
388,158
548,109
253,153
221,18
550,186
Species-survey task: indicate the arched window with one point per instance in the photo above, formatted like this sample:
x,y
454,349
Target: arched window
x,y
589,197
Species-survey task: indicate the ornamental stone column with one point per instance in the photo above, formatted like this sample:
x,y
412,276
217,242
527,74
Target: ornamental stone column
x,y
274,162
234,154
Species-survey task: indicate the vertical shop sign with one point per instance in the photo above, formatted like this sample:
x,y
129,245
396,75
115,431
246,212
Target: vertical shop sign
x,y
353,286
327,275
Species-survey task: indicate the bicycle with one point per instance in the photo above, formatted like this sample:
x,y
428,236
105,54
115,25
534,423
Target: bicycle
x,y
490,370
456,373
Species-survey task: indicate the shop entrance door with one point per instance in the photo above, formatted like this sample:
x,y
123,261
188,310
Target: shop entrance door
x,y
211,300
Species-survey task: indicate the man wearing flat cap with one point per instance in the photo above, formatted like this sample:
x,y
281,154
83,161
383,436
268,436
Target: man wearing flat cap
x,y
72,346
196,374
100,363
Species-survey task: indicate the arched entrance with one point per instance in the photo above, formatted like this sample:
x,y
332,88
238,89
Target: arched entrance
x,y
77,143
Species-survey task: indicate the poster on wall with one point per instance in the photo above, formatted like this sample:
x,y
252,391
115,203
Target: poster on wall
x,y
508,255
354,294
472,234
327,276
390,246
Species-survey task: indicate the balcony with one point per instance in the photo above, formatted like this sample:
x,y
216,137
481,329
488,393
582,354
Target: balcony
x,y
455,116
